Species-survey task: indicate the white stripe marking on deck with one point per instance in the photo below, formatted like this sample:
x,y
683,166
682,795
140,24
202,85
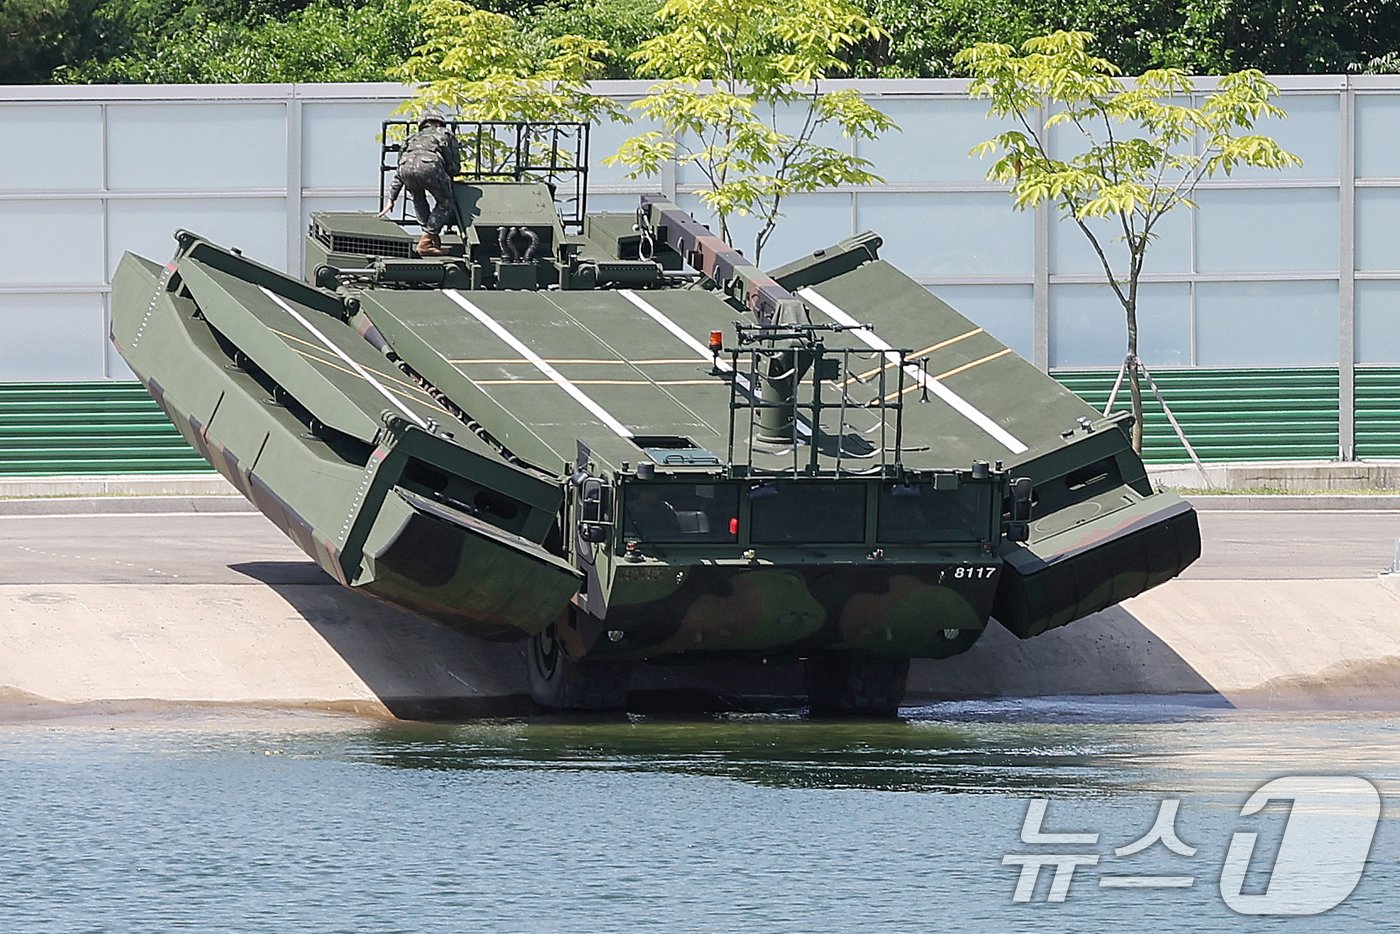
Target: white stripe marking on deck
x,y
670,325
361,371
554,375
705,353
963,407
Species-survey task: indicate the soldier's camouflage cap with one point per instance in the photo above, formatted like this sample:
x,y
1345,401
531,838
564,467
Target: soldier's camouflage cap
x,y
431,116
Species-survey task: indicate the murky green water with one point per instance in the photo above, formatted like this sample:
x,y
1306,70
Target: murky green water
x,y
768,823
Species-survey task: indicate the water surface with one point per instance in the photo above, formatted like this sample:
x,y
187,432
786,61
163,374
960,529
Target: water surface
x,y
273,821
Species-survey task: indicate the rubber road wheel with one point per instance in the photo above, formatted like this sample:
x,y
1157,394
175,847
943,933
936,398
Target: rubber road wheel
x,y
558,682
846,684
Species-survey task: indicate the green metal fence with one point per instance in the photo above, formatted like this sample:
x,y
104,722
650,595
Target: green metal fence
x,y
104,427
111,427
1377,412
1230,415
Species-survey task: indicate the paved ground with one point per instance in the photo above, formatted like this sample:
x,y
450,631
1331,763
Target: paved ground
x,y
240,547
209,548
1309,545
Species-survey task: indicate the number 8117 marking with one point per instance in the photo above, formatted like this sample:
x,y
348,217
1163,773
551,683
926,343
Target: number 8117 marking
x,y
974,573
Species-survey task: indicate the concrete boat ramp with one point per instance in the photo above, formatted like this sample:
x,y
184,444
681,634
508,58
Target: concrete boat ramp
x,y
110,608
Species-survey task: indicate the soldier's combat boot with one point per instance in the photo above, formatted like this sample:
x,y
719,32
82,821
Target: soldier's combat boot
x,y
430,245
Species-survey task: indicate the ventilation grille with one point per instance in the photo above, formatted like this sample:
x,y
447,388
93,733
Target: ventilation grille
x,y
360,245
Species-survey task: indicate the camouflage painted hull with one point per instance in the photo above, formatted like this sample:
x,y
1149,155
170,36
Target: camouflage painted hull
x,y
1095,564
351,507
908,610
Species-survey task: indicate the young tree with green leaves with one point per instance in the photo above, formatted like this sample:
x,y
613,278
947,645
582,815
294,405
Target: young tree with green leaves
x,y
485,66
1142,148
741,100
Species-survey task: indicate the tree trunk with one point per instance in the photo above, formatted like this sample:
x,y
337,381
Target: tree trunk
x,y
1134,382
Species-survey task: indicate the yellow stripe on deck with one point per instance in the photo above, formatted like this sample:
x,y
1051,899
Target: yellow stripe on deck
x,y
953,372
914,356
426,400
431,402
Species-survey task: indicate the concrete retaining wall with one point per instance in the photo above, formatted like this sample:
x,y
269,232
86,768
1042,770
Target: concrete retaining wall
x,y
1252,642
1294,476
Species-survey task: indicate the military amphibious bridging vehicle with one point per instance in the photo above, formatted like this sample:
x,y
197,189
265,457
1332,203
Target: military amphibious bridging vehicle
x,y
612,435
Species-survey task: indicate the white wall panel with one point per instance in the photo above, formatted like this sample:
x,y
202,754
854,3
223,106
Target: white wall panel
x,y
56,148
51,336
1266,323
1088,327
1261,230
1071,253
340,143
937,136
1378,228
1378,322
196,146
51,242
257,226
1378,135
810,222
1311,131
952,234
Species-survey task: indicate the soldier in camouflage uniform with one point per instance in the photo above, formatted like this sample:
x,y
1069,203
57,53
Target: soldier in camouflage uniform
x,y
427,164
